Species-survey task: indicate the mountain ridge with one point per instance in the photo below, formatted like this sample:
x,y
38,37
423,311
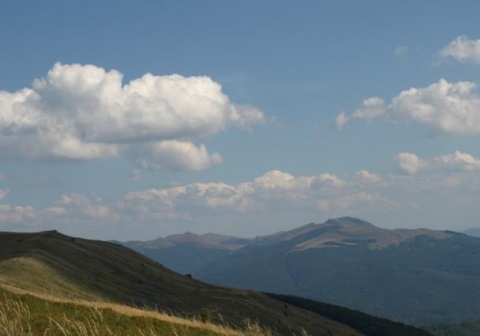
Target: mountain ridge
x,y
114,273
349,231
53,264
433,272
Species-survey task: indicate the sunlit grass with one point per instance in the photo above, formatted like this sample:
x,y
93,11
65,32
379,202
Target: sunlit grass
x,y
25,315
23,273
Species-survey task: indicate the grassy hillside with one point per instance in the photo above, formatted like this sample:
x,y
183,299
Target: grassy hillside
x,y
59,266
22,314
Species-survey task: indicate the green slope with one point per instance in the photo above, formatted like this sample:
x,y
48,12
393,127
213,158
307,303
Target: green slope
x,y
27,315
61,266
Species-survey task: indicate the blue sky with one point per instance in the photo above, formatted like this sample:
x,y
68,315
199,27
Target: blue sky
x,y
132,121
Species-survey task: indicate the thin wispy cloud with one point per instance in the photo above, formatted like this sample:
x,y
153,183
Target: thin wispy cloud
x,y
400,51
275,193
410,163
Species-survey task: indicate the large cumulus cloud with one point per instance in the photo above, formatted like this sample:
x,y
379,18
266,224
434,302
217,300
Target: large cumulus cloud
x,y
452,108
83,112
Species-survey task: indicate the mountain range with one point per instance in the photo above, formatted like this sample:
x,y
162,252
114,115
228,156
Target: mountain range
x,y
416,276
58,267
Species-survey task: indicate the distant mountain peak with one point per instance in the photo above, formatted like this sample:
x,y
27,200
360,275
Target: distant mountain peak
x,y
346,231
349,221
49,231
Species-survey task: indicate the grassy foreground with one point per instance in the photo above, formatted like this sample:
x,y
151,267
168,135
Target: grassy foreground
x,y
24,314
52,265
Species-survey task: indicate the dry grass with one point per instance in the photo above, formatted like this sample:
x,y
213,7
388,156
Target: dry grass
x,y
101,319
11,315
78,275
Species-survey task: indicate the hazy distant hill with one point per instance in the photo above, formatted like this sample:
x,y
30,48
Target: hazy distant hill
x,y
474,232
188,252
65,267
414,276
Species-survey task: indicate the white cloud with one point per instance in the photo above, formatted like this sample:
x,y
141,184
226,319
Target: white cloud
x,y
456,161
17,214
328,180
173,155
411,163
373,107
452,108
270,194
341,120
456,174
275,194
180,202
81,206
462,49
408,162
246,116
4,192
368,178
277,180
84,112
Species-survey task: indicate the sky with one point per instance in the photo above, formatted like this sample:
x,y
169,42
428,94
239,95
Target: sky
x,y
134,120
